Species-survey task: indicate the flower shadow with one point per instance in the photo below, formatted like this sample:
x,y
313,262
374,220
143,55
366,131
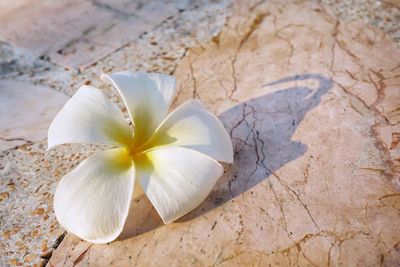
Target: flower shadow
x,y
142,216
261,130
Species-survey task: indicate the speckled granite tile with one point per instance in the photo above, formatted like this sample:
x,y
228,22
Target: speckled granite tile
x,y
29,230
384,14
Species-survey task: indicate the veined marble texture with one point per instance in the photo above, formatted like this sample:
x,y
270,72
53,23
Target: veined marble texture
x,y
312,106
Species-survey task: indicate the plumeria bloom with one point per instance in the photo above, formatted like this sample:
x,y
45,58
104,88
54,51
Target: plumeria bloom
x,y
173,159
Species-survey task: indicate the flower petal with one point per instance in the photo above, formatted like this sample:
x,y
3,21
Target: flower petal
x,y
89,117
176,179
92,201
192,126
147,97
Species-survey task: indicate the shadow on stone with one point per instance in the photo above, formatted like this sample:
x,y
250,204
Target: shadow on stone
x,y
142,218
261,130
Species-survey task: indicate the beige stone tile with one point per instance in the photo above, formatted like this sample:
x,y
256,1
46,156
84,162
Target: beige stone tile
x,y
26,112
310,104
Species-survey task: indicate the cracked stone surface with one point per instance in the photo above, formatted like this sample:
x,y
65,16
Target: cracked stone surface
x,y
309,94
311,104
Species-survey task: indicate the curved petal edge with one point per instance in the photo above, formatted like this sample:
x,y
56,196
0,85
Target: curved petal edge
x,y
93,200
176,179
192,126
89,117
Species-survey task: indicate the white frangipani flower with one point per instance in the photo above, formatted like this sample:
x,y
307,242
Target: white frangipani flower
x,y
172,158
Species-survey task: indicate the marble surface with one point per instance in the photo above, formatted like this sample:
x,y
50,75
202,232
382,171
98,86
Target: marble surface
x,y
311,105
308,93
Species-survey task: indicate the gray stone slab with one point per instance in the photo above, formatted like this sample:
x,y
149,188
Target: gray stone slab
x,y
26,112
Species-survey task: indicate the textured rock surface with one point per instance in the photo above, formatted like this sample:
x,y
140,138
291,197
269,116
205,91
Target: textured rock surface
x,y
316,153
29,174
77,33
311,105
29,230
384,14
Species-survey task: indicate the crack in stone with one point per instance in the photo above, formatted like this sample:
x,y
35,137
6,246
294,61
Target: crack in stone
x,y
82,255
279,205
260,161
380,121
54,246
291,47
222,85
297,197
253,26
15,139
205,242
390,169
334,34
254,6
284,228
194,92
239,232
218,257
177,60
26,142
297,245
115,11
82,38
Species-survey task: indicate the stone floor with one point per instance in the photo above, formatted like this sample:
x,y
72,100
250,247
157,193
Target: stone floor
x,y
308,90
